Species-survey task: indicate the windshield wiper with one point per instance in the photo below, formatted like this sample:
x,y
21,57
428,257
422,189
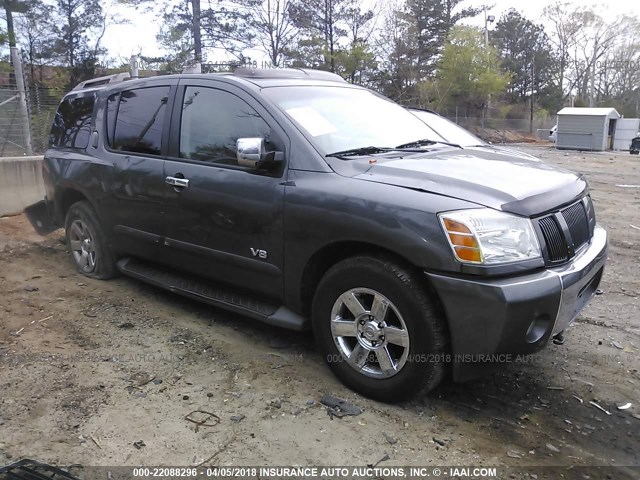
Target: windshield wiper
x,y
426,141
353,152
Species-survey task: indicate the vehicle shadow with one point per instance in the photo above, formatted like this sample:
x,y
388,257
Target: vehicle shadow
x,y
522,411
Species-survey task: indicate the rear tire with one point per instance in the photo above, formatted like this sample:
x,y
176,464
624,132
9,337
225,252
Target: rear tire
x,y
378,330
87,243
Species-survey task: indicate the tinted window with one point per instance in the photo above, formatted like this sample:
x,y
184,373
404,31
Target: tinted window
x,y
140,119
212,121
112,110
72,123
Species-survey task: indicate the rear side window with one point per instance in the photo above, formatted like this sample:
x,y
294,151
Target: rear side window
x,y
72,123
139,120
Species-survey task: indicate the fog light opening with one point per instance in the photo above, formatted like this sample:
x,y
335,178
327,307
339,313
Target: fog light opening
x,y
538,328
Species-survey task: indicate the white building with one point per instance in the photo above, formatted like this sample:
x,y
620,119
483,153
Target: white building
x,y
587,128
626,131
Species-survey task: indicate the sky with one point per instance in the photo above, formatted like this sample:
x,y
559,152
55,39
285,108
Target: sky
x,y
140,33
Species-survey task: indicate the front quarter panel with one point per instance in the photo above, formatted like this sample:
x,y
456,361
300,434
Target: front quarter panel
x,y
325,208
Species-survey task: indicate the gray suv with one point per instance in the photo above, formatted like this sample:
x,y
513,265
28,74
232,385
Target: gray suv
x,y
411,248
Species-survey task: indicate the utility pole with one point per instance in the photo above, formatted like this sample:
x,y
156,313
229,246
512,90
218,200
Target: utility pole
x,y
592,95
487,20
22,101
533,84
486,29
11,34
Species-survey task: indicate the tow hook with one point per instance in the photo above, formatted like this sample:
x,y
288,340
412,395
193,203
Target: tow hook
x,y
558,338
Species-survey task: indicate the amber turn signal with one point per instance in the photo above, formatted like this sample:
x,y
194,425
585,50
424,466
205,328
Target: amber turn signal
x,y
464,242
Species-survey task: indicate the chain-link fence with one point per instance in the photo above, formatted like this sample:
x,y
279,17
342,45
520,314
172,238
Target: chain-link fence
x,y
520,125
12,142
507,130
41,107
492,120
42,103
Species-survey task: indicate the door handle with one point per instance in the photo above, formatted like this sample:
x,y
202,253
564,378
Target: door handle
x,y
177,182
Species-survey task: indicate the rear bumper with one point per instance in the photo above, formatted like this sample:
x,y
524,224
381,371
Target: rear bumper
x,y
499,319
42,217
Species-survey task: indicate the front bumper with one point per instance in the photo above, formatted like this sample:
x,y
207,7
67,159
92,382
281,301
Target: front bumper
x,y
501,318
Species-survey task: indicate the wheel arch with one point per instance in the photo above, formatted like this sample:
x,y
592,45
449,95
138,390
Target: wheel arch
x,y
66,198
329,255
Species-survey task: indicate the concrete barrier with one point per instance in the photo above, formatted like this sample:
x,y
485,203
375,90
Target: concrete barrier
x,y
20,183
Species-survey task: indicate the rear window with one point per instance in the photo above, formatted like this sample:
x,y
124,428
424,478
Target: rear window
x,y
72,123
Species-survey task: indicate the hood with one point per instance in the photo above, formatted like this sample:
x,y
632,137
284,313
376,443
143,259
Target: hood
x,y
495,177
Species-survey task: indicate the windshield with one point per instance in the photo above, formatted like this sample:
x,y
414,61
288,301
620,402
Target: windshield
x,y
342,118
447,129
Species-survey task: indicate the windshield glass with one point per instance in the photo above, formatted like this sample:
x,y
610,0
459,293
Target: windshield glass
x,y
447,129
343,118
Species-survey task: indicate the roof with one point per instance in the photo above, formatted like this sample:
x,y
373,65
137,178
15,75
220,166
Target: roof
x,y
101,81
287,73
260,77
596,112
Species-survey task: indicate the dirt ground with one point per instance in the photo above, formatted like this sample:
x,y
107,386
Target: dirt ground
x,y
88,369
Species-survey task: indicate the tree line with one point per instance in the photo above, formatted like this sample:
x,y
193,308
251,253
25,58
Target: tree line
x,y
418,52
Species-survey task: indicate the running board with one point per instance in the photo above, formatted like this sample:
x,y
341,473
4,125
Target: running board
x,y
213,293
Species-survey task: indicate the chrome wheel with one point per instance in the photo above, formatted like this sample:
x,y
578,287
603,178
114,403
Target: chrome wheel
x,y
81,245
370,333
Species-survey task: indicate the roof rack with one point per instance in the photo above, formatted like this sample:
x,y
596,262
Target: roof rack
x,y
100,81
295,73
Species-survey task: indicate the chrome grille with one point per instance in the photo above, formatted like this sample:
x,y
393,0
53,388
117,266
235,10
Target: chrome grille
x,y
554,239
576,219
566,231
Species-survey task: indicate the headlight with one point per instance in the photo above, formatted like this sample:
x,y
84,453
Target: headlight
x,y
485,236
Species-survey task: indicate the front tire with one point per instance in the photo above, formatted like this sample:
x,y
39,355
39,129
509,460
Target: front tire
x,y
87,244
378,329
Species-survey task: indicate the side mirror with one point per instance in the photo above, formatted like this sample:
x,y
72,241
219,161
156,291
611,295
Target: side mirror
x,y
252,153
